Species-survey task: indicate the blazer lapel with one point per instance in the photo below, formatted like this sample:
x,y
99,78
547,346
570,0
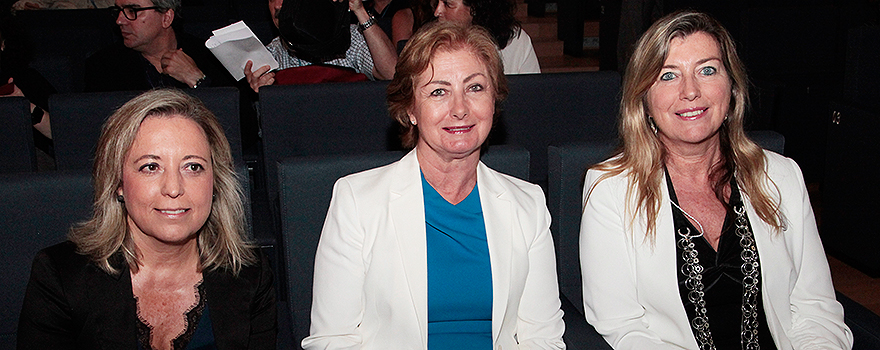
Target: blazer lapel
x,y
407,211
771,273
499,215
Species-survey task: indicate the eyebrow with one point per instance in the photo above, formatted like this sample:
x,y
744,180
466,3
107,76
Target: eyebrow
x,y
153,156
444,82
698,62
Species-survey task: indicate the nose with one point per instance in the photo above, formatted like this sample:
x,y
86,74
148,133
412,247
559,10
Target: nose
x,y
690,88
173,184
120,18
439,10
459,106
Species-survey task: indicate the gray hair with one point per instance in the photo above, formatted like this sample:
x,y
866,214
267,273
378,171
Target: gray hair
x,y
167,4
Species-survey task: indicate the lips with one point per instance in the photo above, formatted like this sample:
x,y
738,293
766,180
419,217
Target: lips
x,y
172,211
458,129
691,114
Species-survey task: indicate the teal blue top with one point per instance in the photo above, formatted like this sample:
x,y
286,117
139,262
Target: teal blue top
x,y
459,273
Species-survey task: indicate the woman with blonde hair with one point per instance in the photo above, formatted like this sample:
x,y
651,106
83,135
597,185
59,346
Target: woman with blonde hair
x,y
165,261
693,236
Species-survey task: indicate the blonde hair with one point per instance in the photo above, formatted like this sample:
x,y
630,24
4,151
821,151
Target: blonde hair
x,y
417,55
222,241
641,154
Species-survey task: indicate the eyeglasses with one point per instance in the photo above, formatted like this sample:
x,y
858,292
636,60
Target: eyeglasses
x,y
130,11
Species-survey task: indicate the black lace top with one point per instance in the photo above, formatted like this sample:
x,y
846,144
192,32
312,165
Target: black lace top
x,y
198,333
722,278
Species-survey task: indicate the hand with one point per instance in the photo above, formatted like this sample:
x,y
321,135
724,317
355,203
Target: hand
x,y
15,90
354,6
259,77
178,65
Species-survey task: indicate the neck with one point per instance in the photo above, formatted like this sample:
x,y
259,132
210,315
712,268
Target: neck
x,y
158,47
696,162
453,178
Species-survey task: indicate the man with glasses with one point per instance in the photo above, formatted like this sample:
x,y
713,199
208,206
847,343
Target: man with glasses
x,y
151,53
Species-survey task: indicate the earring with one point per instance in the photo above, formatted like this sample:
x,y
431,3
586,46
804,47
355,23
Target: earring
x,y
652,125
120,198
412,121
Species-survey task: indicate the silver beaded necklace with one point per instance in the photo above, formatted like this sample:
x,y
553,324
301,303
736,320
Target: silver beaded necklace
x,y
694,282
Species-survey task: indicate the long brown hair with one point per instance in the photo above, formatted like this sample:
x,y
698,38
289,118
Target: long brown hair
x,y
641,155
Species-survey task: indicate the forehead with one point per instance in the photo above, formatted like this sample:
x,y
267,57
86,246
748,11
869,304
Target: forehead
x,y
174,131
138,3
699,43
449,62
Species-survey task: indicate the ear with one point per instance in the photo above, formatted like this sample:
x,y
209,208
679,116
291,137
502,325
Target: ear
x,y
167,18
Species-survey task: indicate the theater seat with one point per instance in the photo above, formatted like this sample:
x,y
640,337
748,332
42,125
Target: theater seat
x,y
37,211
17,143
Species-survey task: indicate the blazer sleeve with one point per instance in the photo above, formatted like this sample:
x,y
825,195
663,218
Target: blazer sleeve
x,y
46,320
264,322
539,322
817,318
337,294
611,300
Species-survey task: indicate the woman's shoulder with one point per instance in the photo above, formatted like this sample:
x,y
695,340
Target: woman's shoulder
x,y
780,167
63,254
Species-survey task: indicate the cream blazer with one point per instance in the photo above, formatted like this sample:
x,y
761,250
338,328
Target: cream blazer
x,y
371,285
631,288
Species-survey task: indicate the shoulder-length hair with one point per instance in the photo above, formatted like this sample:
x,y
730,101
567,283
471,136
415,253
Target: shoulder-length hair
x,y
222,241
641,154
416,58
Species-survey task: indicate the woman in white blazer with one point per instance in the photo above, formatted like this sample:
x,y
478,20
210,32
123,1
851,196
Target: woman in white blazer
x,y
390,273
693,237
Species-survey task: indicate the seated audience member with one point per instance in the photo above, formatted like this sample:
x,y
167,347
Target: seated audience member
x,y
152,54
370,53
395,17
164,262
60,4
17,79
692,236
497,16
437,249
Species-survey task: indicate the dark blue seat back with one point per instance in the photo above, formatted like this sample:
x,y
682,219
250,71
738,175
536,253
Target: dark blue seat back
x,y
323,119
37,209
556,108
17,140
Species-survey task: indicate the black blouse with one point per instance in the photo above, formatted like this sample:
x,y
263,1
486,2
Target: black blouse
x,y
722,278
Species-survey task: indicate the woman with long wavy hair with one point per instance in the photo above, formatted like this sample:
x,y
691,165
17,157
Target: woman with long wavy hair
x,y
693,236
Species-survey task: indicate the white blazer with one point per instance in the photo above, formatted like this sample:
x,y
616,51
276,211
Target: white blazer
x,y
371,281
630,285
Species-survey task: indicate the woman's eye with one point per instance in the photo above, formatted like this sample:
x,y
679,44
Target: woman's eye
x,y
438,92
195,167
476,87
149,167
667,76
708,71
